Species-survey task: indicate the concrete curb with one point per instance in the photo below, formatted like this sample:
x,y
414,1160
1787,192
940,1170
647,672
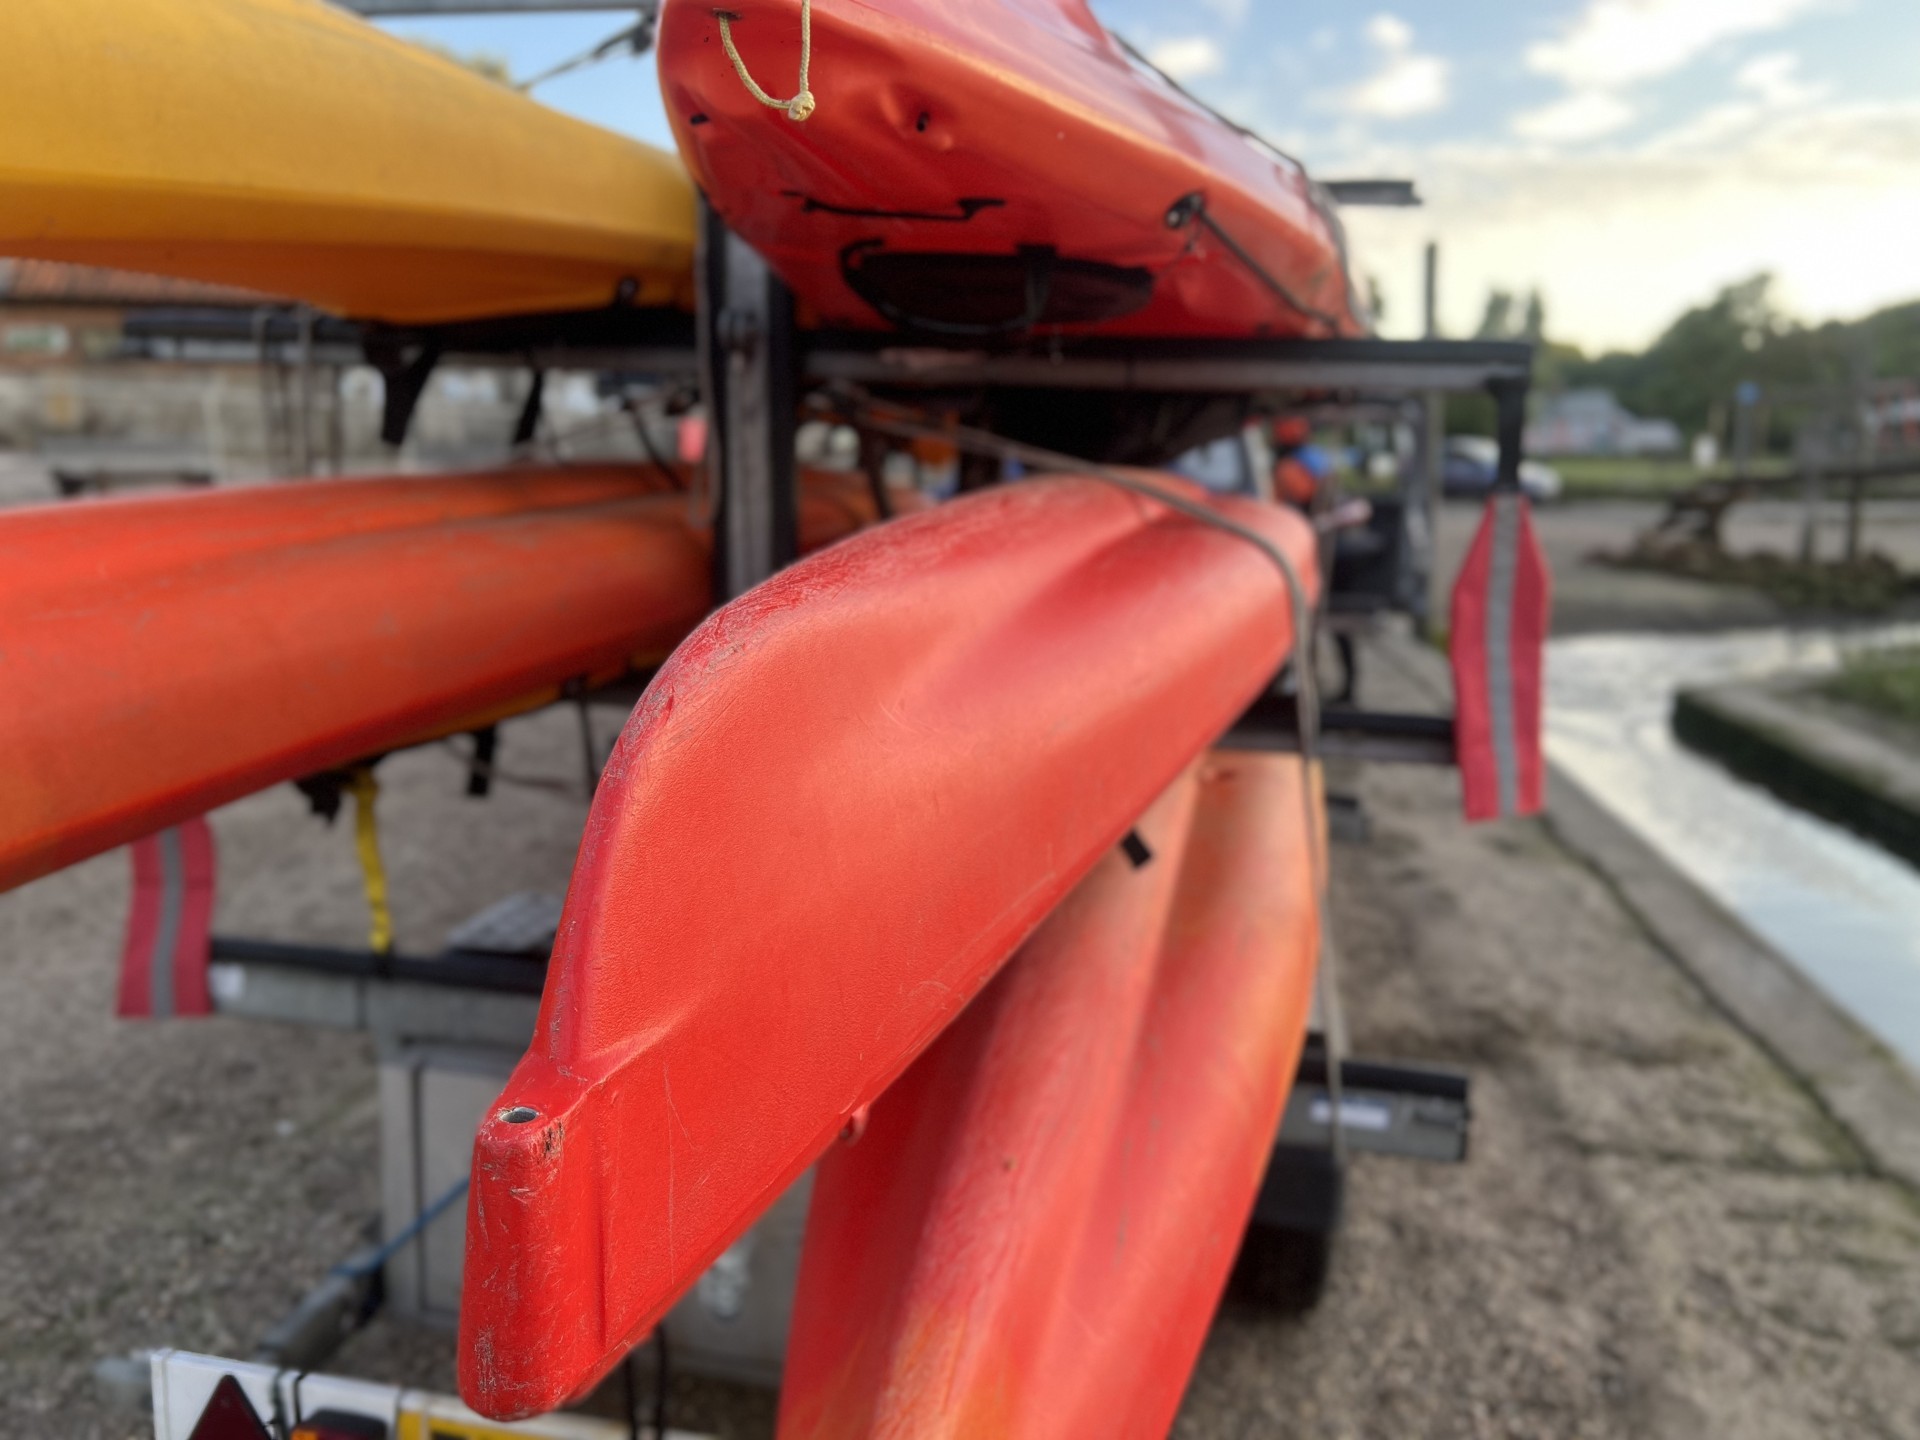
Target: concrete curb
x,y
1806,752
1861,1085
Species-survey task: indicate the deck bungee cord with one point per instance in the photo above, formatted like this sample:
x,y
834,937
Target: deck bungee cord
x,y
1192,210
1319,196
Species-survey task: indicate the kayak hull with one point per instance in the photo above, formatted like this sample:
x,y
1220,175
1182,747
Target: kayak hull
x,y
287,147
836,812
1085,1141
170,653
995,167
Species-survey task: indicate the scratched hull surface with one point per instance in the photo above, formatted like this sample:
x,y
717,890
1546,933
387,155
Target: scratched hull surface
x,y
288,147
996,167
838,810
1034,1170
163,655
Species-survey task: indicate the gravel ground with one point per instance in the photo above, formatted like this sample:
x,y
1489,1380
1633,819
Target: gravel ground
x,y
1658,1233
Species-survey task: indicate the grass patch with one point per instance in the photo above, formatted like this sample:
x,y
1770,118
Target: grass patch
x,y
1886,682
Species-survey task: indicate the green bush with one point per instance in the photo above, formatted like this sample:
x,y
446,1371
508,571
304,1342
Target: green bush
x,y
1884,681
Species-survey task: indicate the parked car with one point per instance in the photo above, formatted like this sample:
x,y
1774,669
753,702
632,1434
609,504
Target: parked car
x,y
1470,463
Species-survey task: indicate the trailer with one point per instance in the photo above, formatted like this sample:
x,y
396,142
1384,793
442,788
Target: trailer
x,y
829,1253
450,1026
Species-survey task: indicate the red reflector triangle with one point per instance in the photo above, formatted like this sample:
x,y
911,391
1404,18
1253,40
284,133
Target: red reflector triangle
x,y
229,1415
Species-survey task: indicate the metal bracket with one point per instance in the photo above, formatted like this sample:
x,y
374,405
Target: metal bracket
x,y
1353,368
1510,420
1413,1111
1272,723
528,425
750,366
406,374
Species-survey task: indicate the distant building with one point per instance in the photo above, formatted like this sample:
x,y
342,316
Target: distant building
x,y
55,315
1592,422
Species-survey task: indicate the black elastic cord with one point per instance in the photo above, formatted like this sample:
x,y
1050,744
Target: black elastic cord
x,y
897,420
646,443
1262,274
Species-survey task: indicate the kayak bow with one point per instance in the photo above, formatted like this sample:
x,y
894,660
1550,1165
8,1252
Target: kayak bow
x,y
287,147
994,168
835,813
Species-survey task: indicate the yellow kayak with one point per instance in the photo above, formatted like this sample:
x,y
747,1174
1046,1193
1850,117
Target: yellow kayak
x,y
288,147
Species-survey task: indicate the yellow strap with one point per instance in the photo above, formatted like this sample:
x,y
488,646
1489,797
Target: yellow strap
x,y
366,838
801,105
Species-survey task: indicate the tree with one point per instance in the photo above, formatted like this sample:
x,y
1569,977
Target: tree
x,y
1496,320
1690,372
1503,319
1534,326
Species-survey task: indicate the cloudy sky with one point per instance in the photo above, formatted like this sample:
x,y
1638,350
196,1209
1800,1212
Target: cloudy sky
x,y
1626,156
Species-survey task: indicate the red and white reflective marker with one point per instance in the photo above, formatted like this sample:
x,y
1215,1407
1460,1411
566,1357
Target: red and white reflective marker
x,y
163,966
1501,606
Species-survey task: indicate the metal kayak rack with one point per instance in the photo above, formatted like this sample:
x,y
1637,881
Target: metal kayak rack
x,y
450,1025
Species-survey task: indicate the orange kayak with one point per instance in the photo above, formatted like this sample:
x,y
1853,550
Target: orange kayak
x,y
837,811
1083,1143
995,169
163,655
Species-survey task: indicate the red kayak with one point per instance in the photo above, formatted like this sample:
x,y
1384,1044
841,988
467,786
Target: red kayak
x,y
163,655
1031,1235
838,809
993,167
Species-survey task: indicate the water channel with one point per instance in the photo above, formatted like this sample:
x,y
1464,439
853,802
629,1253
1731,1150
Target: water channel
x,y
1843,910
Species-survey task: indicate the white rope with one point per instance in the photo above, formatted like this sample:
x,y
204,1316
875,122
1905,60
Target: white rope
x,y
802,104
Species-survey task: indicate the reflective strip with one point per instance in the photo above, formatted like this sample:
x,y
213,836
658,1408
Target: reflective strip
x,y
1502,569
166,935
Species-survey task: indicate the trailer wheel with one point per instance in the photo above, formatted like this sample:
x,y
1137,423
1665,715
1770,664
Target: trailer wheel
x,y
1281,1270
1287,1250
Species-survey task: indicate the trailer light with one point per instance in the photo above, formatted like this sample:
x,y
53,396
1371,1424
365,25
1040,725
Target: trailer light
x,y
338,1425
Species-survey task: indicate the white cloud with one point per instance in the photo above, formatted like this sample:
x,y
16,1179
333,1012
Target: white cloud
x,y
1776,80
1407,82
1583,115
1771,84
1233,12
1189,57
1390,32
1711,127
1623,238
1613,43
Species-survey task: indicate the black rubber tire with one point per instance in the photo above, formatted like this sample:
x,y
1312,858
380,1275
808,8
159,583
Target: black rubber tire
x,y
1281,1271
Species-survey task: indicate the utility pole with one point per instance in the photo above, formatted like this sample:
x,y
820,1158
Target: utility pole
x,y
1433,432
1432,331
